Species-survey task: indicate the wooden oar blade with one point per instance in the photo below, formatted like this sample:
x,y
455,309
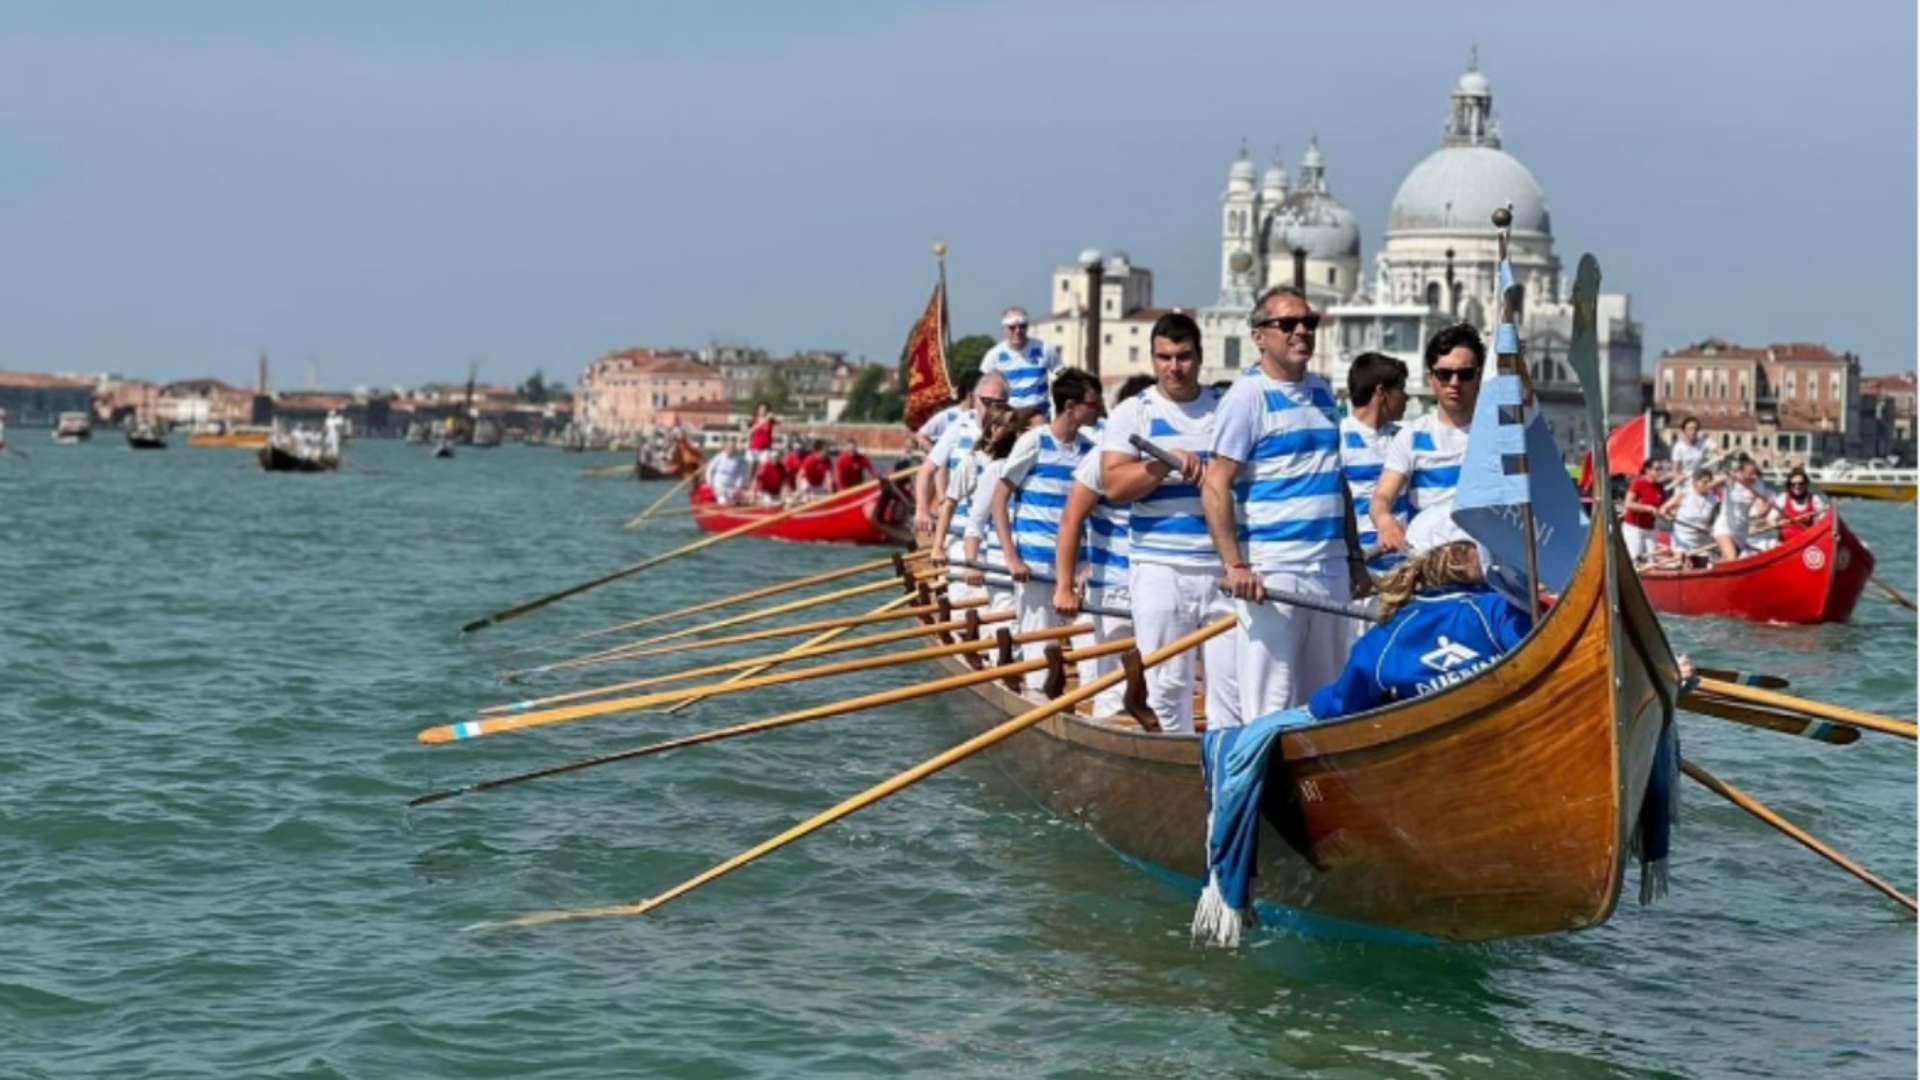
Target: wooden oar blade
x,y
1743,678
1803,726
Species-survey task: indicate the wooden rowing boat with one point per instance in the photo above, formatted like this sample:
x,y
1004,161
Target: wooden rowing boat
x,y
1814,577
878,518
1497,808
274,459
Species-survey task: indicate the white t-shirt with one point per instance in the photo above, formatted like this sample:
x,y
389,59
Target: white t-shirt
x,y
1428,452
1688,456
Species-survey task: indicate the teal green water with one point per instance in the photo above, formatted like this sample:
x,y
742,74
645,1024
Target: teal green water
x,y
212,678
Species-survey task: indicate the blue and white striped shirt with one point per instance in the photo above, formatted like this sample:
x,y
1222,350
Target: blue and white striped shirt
x,y
1428,453
1103,548
1289,499
1040,470
1026,373
1167,525
955,444
1362,458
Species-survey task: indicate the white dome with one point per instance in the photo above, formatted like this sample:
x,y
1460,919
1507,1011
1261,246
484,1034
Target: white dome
x,y
1242,171
1474,84
1459,187
1318,222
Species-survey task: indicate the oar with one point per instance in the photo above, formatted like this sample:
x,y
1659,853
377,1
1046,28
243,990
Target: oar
x,y
630,649
1764,682
758,663
670,493
839,622
1677,560
499,725
601,472
1805,727
982,741
817,712
1044,579
699,545
728,601
818,639
1838,714
1894,594
1753,806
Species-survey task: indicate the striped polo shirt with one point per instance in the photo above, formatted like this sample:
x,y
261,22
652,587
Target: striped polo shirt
x,y
1026,373
955,445
1363,456
1167,525
1289,496
1040,470
1104,546
1428,453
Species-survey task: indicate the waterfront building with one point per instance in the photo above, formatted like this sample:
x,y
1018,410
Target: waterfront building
x,y
33,399
1127,315
634,391
1795,403
1890,400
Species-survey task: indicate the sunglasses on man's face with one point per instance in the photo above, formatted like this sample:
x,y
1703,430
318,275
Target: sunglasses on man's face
x,y
994,402
1453,374
1287,324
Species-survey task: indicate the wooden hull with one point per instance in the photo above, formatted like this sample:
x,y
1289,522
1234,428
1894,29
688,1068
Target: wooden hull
x,y
146,442
1498,808
859,521
648,472
274,459
1816,577
229,440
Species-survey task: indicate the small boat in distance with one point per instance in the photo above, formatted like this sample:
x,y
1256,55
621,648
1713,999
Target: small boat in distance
x,y
145,436
880,518
443,445
1874,480
1814,577
73,427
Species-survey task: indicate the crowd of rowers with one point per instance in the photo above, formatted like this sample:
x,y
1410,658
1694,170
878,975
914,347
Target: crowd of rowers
x,y
1273,490
1715,513
761,474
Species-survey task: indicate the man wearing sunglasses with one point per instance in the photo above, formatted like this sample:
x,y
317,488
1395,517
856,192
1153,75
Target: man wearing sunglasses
x,y
1424,457
1275,484
1027,363
989,397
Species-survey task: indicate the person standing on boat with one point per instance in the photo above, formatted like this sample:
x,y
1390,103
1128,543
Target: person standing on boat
x,y
1026,363
1795,510
3,431
974,483
1377,392
760,433
1638,510
956,443
1097,526
1423,459
1031,494
1747,498
1275,479
1691,451
727,473
815,475
771,480
930,481
1173,572
936,424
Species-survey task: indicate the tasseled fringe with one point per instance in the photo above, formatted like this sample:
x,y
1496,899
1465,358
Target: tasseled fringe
x,y
1653,880
1214,923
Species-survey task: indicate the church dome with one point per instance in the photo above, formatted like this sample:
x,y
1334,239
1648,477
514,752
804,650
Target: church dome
x,y
1318,222
1459,187
1240,177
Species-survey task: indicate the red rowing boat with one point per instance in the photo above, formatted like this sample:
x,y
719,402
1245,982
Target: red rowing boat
x,y
1815,577
877,519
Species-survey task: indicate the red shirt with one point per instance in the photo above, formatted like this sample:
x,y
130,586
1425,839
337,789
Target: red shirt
x,y
771,477
850,468
815,469
760,436
1643,490
1789,510
792,461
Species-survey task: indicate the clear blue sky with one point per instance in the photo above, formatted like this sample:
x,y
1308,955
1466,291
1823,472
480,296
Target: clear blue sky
x,y
397,188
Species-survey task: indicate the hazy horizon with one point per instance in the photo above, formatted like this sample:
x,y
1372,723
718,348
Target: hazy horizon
x,y
399,189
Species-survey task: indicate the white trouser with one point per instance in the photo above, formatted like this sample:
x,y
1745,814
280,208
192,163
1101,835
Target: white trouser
x,y
1287,652
1109,702
957,587
1169,603
1033,603
1640,542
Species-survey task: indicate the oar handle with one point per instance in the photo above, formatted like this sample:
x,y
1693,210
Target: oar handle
x,y
1314,603
1156,452
1044,579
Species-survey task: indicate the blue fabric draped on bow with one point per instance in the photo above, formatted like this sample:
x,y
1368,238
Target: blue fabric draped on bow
x,y
1234,763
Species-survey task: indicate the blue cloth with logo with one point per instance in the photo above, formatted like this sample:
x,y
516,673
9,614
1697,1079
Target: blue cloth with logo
x,y
1441,637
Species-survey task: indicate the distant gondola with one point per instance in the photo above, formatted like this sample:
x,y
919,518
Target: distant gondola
x,y
274,459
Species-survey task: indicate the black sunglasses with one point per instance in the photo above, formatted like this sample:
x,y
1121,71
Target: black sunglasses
x,y
993,402
1453,374
1287,324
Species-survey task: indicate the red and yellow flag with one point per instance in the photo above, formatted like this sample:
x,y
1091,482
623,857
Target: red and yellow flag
x,y
928,388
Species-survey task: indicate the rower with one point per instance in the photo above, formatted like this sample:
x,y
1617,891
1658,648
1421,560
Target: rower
x,y
1097,525
1692,509
1637,521
1027,363
1692,450
1033,490
1275,479
1747,497
727,473
934,477
1377,392
1796,510
1424,457
1173,572
980,542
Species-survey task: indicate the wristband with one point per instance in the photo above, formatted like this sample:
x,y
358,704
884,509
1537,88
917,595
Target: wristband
x,y
1240,566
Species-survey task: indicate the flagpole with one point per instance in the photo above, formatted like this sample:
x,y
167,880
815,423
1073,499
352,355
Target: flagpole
x,y
946,328
1507,353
